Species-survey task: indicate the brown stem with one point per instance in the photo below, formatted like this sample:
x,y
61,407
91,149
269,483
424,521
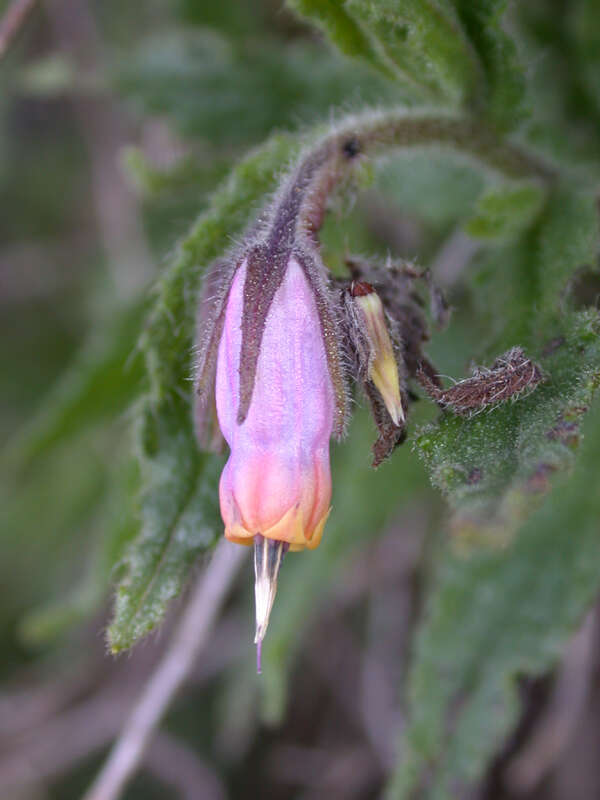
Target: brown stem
x,y
302,200
188,639
12,21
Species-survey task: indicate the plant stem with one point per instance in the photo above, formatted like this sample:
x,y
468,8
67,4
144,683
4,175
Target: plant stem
x,y
188,639
12,21
302,199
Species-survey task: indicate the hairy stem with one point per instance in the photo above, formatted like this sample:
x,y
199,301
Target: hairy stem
x,y
303,197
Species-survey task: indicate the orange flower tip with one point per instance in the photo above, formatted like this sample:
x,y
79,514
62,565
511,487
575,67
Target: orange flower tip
x,y
268,555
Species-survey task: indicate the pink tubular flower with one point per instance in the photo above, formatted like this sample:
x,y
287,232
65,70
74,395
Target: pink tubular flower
x,y
277,481
275,340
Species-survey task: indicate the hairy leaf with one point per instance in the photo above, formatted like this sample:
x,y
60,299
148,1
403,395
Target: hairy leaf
x,y
493,616
425,43
344,30
504,96
489,466
521,285
515,578
558,43
494,467
179,522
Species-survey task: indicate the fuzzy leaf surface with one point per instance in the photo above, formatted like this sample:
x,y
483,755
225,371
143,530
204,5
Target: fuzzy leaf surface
x,y
515,578
179,522
494,615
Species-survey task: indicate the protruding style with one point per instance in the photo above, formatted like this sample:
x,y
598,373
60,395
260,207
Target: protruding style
x,y
268,555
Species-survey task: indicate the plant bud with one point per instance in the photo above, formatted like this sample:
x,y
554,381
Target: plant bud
x,y
276,485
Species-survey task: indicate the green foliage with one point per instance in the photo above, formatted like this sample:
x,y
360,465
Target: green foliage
x,y
422,45
504,211
425,43
506,589
101,382
493,466
493,616
452,51
179,522
243,91
557,46
513,567
342,28
505,83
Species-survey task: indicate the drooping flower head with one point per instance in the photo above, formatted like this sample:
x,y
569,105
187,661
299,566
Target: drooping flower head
x,y
273,353
279,341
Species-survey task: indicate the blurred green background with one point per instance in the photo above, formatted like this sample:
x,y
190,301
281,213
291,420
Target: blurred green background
x,y
117,122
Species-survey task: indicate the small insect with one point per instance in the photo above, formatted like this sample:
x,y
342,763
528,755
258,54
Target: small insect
x,y
510,376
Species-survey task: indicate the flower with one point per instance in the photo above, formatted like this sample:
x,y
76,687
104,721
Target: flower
x,y
275,490
275,350
277,481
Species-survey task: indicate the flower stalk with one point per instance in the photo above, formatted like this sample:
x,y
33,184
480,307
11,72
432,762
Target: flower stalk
x,y
279,346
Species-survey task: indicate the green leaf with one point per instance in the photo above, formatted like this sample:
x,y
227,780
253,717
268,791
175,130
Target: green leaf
x,y
421,45
179,522
567,241
504,211
425,43
520,286
505,90
493,616
561,51
438,188
345,32
486,465
494,467
515,578
102,381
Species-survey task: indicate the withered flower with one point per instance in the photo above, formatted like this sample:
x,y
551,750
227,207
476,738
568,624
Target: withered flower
x,y
511,376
